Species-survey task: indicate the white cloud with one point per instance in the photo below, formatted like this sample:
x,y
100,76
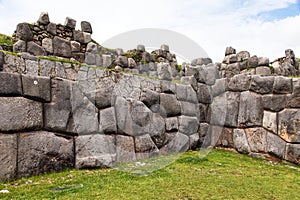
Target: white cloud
x,y
213,24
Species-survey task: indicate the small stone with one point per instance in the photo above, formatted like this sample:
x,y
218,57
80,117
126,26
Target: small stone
x,y
24,32
120,52
47,45
75,46
264,71
44,18
62,47
141,48
229,51
263,61
92,47
131,63
71,23
164,47
253,62
51,28
86,27
242,56
86,37
19,46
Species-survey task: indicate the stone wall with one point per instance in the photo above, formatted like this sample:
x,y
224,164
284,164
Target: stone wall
x,y
45,38
56,115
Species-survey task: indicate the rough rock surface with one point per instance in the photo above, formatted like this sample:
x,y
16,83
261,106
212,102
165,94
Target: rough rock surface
x,y
20,114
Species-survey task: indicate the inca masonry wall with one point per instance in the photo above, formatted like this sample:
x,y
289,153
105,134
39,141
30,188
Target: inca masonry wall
x,y
56,115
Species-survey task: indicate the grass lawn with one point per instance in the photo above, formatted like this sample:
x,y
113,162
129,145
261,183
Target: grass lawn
x,y
220,175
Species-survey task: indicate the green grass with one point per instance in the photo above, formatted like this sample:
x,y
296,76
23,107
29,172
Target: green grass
x,y
4,39
220,175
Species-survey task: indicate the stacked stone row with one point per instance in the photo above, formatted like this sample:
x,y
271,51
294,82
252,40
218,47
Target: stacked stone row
x,y
46,38
242,63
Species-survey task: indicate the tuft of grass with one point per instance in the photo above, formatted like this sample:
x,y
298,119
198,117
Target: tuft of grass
x,y
4,39
220,175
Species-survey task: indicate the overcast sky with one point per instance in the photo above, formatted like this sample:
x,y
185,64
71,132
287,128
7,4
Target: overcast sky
x,y
263,27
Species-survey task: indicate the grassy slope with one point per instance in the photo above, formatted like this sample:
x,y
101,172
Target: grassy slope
x,y
4,39
221,175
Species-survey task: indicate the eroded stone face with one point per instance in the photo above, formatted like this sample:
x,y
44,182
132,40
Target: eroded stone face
x,y
8,156
96,150
20,114
289,125
42,151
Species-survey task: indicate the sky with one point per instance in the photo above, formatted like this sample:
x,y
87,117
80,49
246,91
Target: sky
x,y
262,27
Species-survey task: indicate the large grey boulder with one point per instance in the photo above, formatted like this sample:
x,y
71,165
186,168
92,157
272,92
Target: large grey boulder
x,y
253,62
164,71
293,153
90,58
250,110
270,121
282,85
232,104
32,67
232,70
41,152
20,114
275,145
149,98
86,27
263,61
242,56
263,71
178,143
24,32
204,93
288,125
108,122
189,109
262,85
220,87
125,149
257,139
121,61
188,125
97,150
172,124
238,83
226,138
274,102
51,28
240,141
135,119
145,147
294,98
170,104
37,87
230,59
84,119
58,112
11,84
102,95
61,47
47,44
35,49
201,61
20,46
8,156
